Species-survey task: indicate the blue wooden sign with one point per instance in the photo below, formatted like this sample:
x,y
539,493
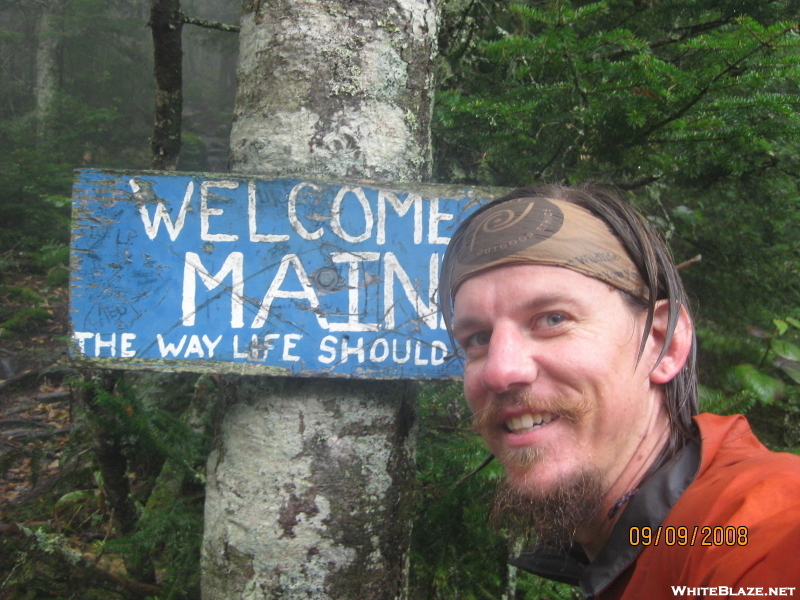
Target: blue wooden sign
x,y
209,272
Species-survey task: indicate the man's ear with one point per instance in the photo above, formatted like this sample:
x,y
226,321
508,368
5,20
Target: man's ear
x,y
680,344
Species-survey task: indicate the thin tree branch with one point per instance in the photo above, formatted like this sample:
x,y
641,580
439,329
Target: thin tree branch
x,y
688,263
550,162
633,185
210,24
691,30
78,569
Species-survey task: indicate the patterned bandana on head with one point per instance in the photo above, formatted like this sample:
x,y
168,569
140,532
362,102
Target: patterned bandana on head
x,y
539,231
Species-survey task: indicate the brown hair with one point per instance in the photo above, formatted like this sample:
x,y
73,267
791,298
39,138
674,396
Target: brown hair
x,y
656,267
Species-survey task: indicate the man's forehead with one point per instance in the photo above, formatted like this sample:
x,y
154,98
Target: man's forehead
x,y
529,286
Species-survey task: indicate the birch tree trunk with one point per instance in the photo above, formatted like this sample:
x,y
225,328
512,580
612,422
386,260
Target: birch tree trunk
x,y
335,89
309,487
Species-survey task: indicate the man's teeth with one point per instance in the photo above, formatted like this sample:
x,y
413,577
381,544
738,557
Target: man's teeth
x,y
528,422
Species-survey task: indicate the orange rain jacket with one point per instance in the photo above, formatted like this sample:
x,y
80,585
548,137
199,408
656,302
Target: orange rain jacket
x,y
732,530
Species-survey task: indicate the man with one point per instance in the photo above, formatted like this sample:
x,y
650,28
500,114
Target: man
x,y
579,367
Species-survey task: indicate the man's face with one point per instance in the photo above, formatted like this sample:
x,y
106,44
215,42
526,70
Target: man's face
x,y
551,374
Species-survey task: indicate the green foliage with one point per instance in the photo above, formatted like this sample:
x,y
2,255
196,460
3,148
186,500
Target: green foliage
x,y
454,553
26,320
659,91
757,374
149,425
34,191
719,403
693,108
165,443
21,294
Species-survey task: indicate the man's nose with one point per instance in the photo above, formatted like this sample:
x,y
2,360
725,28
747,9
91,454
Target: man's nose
x,y
509,362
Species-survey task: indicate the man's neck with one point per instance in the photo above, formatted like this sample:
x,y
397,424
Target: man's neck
x,y
593,537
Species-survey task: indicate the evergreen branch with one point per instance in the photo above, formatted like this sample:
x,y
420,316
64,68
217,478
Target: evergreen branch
x,y
673,38
210,24
707,88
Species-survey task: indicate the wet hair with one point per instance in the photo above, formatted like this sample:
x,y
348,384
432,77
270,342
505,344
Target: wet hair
x,y
656,267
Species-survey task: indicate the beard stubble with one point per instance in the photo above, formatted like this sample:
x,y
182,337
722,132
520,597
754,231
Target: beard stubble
x,y
551,516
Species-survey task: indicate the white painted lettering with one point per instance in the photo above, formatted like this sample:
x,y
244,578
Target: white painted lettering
x,y
170,348
347,351
254,347
211,345
418,360
373,350
353,259
81,337
151,227
100,344
234,264
288,343
429,313
437,345
194,347
336,214
206,211
268,345
295,222
435,217
401,208
326,345
307,292
251,217
396,358
236,352
125,345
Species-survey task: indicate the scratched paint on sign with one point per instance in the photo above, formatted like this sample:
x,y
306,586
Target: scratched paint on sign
x,y
281,276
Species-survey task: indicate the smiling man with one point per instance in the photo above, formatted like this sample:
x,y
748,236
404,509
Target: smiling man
x,y
579,367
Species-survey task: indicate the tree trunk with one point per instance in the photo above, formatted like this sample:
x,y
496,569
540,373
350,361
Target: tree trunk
x,y
307,493
47,72
335,89
309,489
166,23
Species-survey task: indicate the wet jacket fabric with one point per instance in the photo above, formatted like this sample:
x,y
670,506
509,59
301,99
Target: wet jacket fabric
x,y
721,518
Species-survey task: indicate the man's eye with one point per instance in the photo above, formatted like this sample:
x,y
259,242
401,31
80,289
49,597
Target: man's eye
x,y
553,319
478,339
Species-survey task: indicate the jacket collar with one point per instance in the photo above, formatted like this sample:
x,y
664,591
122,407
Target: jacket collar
x,y
648,508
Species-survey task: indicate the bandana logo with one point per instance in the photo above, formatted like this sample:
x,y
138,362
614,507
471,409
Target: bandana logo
x,y
509,228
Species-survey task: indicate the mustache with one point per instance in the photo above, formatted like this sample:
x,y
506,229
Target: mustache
x,y
488,417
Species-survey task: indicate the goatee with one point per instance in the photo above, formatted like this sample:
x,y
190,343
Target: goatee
x,y
552,517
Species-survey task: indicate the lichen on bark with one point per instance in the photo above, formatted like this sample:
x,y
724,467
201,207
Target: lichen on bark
x,y
298,483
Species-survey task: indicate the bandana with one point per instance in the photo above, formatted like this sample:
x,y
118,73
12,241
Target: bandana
x,y
542,231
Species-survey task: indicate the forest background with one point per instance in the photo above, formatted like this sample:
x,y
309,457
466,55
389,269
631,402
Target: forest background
x,y
689,107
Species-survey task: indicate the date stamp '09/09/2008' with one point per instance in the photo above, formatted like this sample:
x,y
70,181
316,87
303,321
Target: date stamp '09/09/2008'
x,y
688,536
